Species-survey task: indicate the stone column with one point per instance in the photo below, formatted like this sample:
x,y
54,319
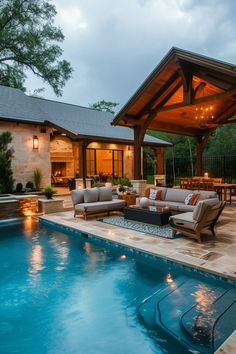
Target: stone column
x,y
139,186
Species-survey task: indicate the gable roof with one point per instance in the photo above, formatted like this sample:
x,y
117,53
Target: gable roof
x,y
168,99
77,120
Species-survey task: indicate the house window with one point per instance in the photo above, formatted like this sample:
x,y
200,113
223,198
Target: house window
x,y
104,162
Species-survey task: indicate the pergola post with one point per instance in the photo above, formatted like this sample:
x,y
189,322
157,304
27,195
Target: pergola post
x,y
201,143
160,160
82,160
137,153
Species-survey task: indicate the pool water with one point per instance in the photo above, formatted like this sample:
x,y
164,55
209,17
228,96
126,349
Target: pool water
x,y
64,293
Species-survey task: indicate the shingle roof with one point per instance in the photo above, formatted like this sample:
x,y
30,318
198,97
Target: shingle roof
x,y
14,104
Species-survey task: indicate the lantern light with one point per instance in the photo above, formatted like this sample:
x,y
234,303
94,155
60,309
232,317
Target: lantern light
x,y
35,142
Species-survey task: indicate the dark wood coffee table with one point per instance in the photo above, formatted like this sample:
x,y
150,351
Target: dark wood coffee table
x,y
149,215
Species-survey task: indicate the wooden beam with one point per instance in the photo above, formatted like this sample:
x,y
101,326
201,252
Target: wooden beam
x,y
212,80
226,113
150,118
185,72
198,100
158,94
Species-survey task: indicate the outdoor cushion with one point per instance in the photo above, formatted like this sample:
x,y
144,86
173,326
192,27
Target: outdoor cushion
x,y
184,220
91,195
105,194
155,194
77,196
97,207
163,193
188,198
206,195
201,207
191,198
177,195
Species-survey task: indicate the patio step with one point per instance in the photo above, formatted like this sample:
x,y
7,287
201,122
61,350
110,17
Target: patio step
x,y
199,315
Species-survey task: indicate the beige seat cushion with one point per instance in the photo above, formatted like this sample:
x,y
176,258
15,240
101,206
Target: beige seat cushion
x,y
201,207
97,207
172,205
105,194
91,195
177,195
184,220
206,195
77,196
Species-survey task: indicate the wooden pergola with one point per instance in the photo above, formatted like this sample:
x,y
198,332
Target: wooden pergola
x,y
187,94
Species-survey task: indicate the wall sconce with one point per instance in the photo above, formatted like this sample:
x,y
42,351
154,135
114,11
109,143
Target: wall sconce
x,y
129,152
35,142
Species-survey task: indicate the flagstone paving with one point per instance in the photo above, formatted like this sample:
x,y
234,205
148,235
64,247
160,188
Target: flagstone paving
x,y
216,255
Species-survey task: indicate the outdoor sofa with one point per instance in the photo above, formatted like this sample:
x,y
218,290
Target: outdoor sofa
x,y
90,201
175,199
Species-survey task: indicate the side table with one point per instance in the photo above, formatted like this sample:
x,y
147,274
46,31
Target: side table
x,y
129,198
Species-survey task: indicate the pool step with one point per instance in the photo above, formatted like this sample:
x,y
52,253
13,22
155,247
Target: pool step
x,y
192,312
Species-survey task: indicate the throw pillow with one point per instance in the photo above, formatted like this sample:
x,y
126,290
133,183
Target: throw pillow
x,y
158,195
155,194
147,192
188,198
194,198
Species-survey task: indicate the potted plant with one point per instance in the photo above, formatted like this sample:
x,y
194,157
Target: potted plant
x,y
48,192
37,177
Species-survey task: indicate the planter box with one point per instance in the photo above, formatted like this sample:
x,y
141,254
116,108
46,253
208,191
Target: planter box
x,y
49,206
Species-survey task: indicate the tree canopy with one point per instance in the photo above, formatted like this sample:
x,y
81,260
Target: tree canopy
x,y
28,42
105,106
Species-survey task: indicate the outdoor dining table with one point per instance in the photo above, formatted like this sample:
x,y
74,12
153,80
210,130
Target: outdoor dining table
x,y
223,187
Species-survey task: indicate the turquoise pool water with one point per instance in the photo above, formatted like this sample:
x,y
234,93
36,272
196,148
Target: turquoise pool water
x,y
63,293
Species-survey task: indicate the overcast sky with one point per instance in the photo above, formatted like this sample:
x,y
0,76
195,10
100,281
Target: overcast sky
x,y
113,45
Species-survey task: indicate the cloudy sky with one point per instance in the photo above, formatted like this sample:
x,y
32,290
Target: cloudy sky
x,y
113,45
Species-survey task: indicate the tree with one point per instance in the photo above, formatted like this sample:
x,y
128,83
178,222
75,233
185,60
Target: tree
x,y
6,154
105,106
28,42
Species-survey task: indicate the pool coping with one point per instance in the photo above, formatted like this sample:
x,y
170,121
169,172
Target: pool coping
x,y
195,264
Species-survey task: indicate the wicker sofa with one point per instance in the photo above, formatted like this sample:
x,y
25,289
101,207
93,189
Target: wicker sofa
x,y
95,200
175,198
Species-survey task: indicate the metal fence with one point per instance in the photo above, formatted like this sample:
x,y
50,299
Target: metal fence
x,y
216,166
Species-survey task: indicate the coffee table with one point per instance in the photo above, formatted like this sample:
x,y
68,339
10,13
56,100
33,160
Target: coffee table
x,y
150,215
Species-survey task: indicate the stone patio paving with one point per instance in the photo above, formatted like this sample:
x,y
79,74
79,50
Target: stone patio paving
x,y
217,255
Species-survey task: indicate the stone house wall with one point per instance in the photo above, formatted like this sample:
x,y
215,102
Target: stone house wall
x,y
25,158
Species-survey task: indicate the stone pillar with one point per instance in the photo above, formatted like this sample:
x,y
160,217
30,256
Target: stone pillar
x,y
139,186
79,183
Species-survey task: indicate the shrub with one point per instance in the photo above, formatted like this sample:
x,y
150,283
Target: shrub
x,y
19,187
6,155
29,185
48,191
37,177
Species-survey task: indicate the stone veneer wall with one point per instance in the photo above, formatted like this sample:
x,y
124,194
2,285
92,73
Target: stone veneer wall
x,y
128,161
25,158
61,149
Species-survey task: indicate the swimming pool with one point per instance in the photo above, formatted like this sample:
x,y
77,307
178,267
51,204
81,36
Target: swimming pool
x,y
64,293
